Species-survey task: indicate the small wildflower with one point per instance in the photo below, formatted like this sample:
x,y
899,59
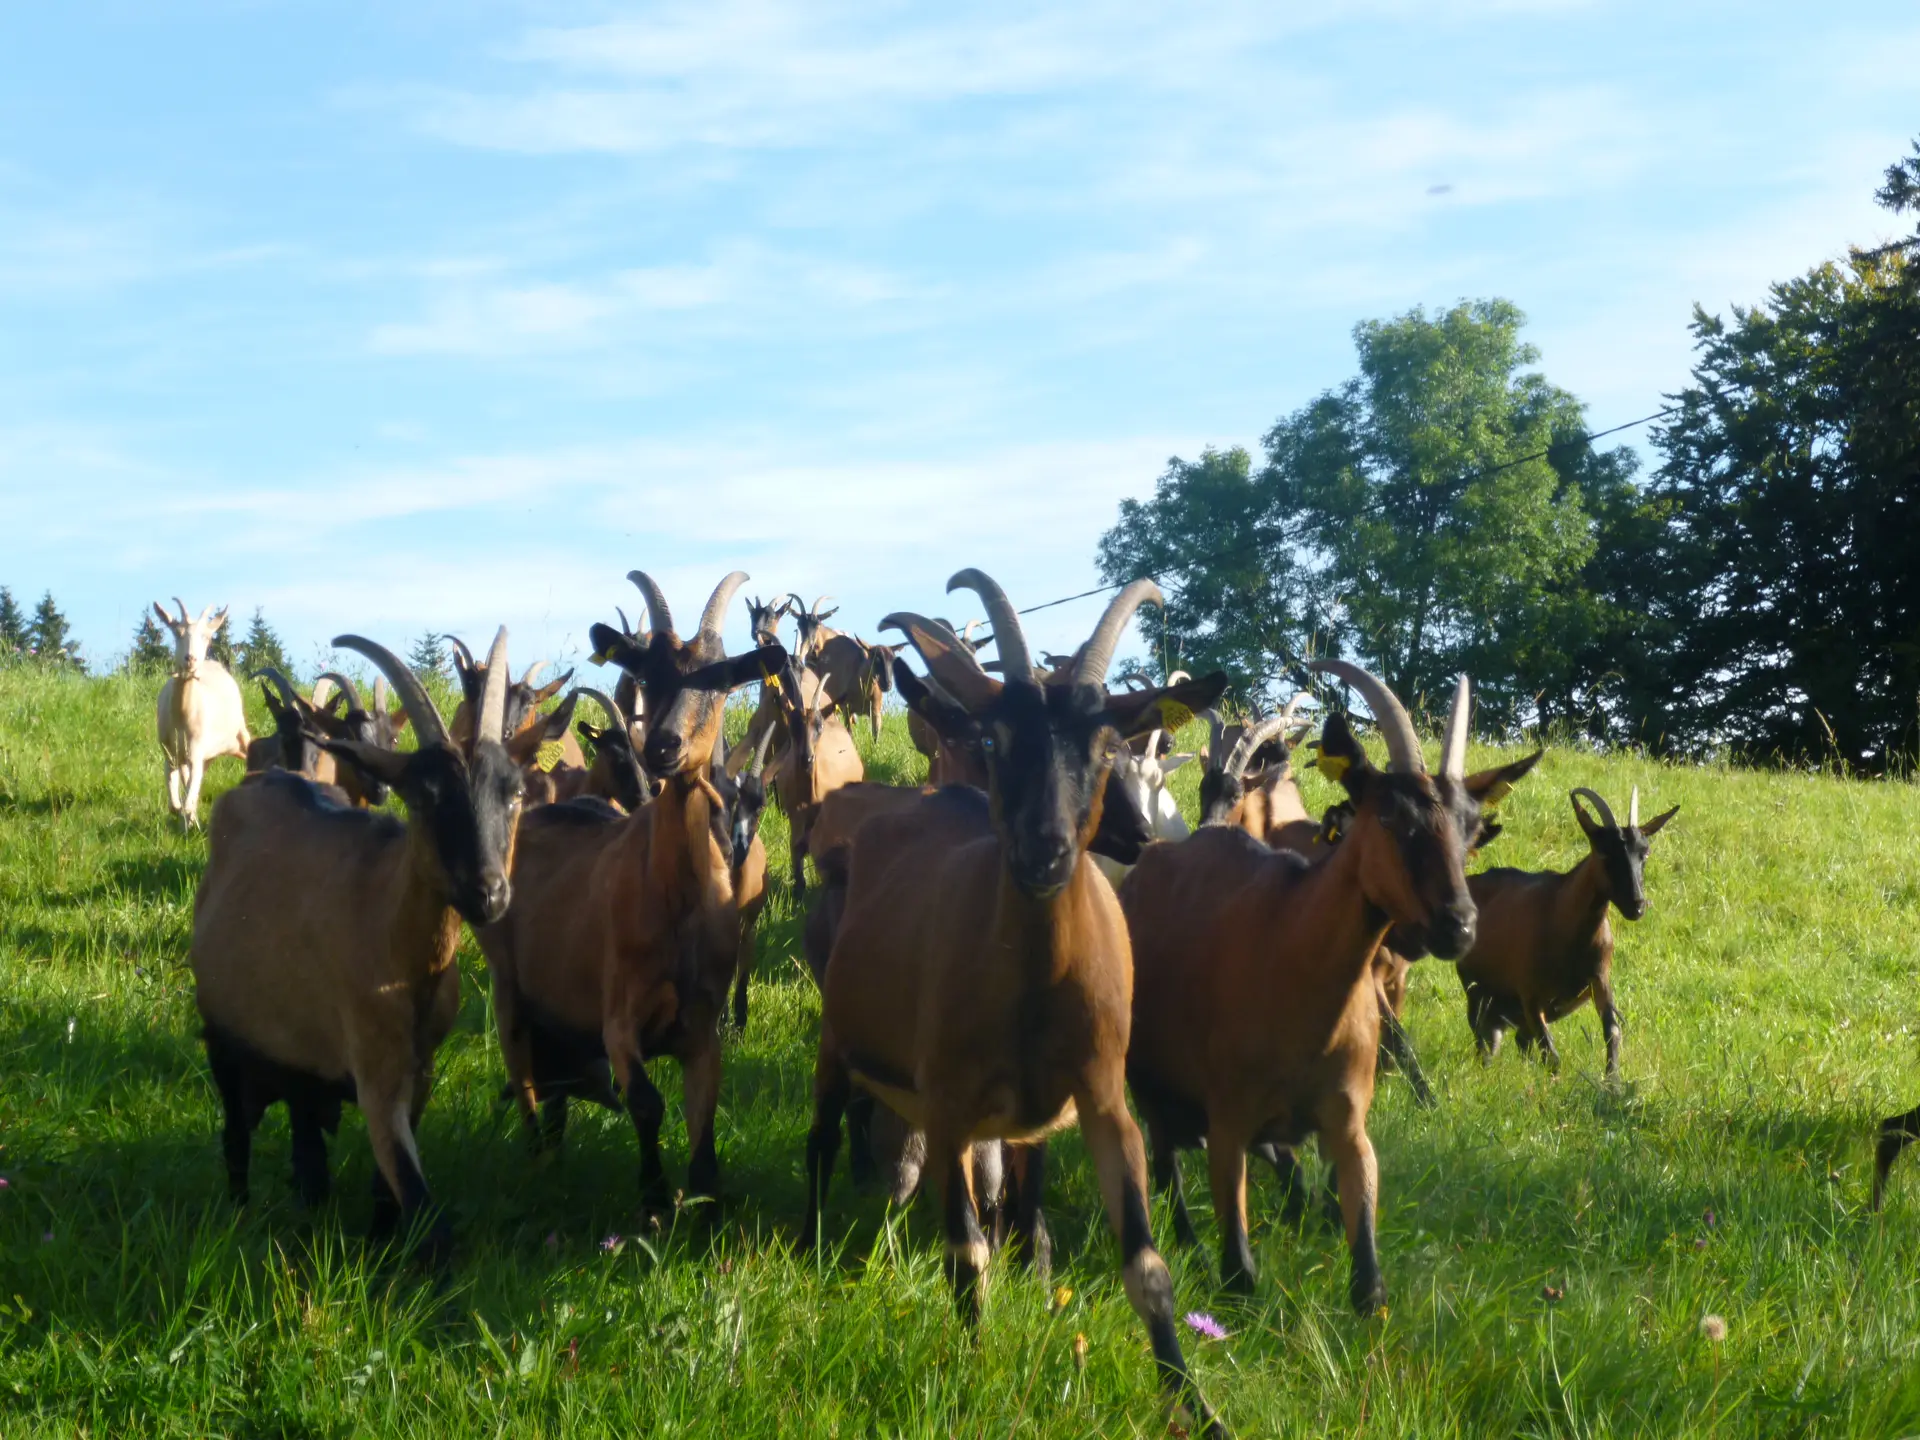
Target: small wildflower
x,y
552,1242
1711,1218
1202,1323
1062,1298
1700,1242
46,1237
1553,1294
612,1244
1713,1327
4,1182
1079,1352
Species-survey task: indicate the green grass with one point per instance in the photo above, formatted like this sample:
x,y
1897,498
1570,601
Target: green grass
x,y
1767,1000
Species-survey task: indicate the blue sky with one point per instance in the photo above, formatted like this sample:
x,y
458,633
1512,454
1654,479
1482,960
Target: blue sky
x,y
441,315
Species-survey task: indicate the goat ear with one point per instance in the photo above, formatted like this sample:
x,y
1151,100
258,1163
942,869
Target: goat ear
x,y
398,720
610,645
1342,758
1168,708
1490,787
1652,827
387,766
737,670
1171,763
550,689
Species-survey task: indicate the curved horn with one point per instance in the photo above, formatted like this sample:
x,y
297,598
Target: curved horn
x,y
614,718
626,625
818,601
533,672
1453,750
658,616
380,693
715,615
1008,637
493,700
1097,653
183,610
1403,745
288,695
758,762
460,649
1250,742
1606,814
346,687
1177,677
1214,726
1633,809
427,724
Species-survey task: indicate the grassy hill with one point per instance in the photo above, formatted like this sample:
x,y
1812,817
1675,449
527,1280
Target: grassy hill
x,y
1768,1001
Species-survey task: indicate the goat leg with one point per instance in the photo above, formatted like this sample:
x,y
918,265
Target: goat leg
x,y
1483,1019
311,1181
950,1169
647,1109
1285,1160
1609,1022
400,1190
1396,1045
1027,1221
700,1101
1120,1158
832,1087
1227,1172
1543,1037
1168,1181
1343,1134
1896,1133
230,1078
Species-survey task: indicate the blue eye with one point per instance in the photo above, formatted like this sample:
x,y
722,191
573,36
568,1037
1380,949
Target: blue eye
x,y
986,743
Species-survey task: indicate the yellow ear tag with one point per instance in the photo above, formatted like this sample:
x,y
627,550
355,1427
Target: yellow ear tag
x,y
1332,766
769,679
549,756
1174,716
601,657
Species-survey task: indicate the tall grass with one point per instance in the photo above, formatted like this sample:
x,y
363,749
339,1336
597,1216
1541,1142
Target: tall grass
x,y
1767,997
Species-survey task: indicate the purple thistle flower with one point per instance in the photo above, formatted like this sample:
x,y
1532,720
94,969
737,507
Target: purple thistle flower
x,y
3,1182
1202,1323
612,1244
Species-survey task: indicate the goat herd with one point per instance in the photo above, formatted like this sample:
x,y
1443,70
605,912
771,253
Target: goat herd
x,y
981,987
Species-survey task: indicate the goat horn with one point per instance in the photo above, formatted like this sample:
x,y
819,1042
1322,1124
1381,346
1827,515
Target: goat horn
x,y
533,670
380,693
1250,742
346,688
1097,653
1633,809
493,699
614,717
1008,637
759,761
715,615
626,625
183,610
464,655
1396,728
1606,814
1177,677
658,616
1214,726
288,694
427,724
1453,751
819,600
1294,703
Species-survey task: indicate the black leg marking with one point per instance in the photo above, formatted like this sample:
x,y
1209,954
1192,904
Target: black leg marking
x,y
311,1182
823,1145
648,1109
860,1139
1366,1290
1027,1227
1897,1132
1285,1161
236,1137
1397,1045
966,1242
1168,1180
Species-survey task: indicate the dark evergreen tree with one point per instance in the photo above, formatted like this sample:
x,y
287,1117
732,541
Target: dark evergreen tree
x,y
220,648
261,647
50,637
152,647
13,624
429,656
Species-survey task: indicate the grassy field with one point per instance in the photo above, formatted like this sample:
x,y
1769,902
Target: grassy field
x,y
1767,997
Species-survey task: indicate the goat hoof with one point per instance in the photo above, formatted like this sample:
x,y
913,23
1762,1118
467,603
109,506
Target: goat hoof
x,y
1368,1296
1237,1280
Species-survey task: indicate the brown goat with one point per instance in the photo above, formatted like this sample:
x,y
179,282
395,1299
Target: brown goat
x,y
979,978
323,938
1256,1017
615,775
624,931
819,758
1545,946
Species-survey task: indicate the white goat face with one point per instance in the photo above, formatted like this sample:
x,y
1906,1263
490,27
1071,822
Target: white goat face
x,y
191,636
1146,777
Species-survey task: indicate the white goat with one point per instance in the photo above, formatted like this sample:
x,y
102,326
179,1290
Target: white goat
x,y
1146,777
200,714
